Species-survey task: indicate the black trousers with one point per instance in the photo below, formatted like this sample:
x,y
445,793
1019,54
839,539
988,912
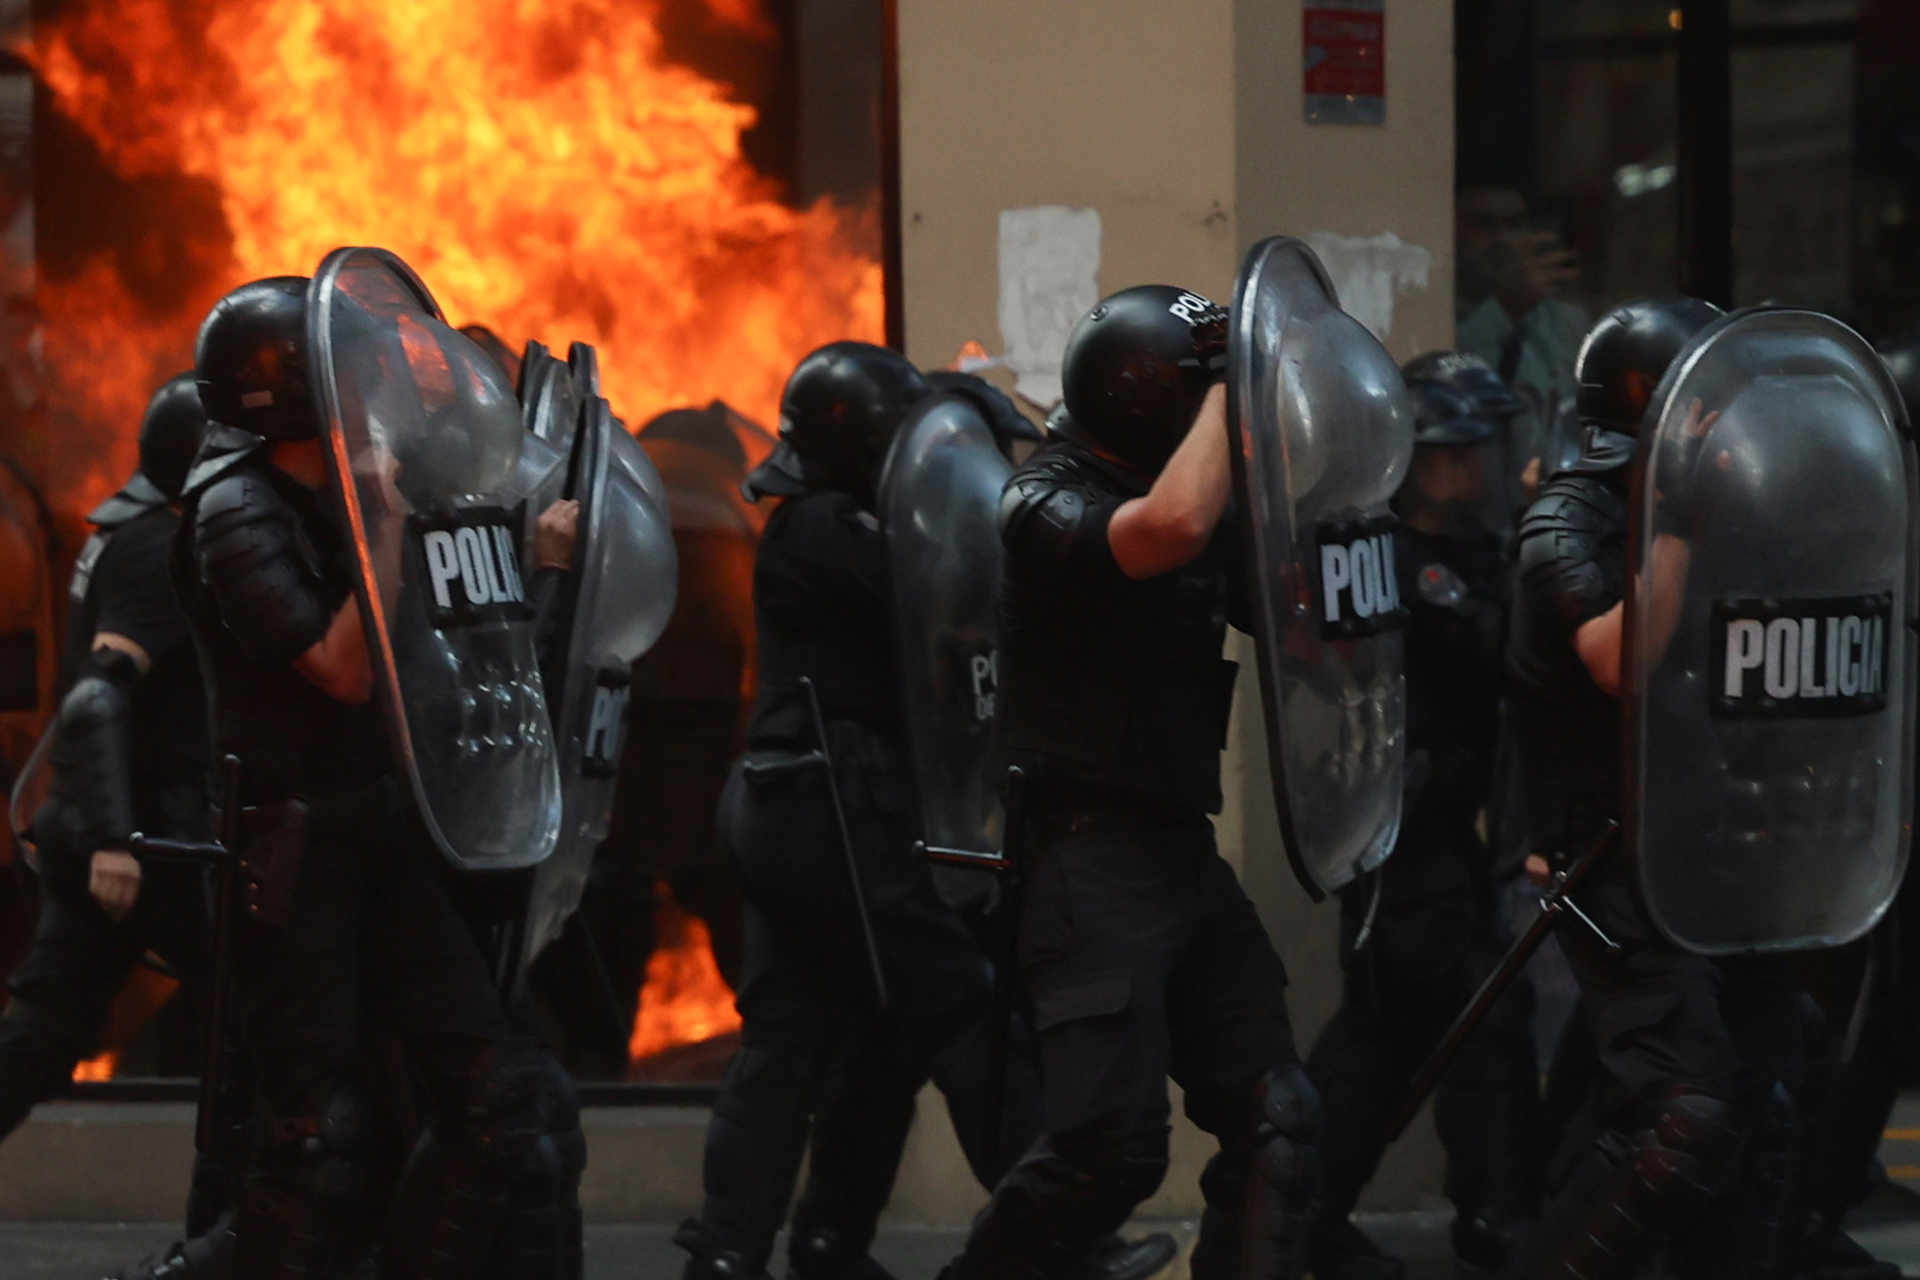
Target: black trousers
x,y
1142,959
1422,963
368,941
817,1056
1663,1020
79,960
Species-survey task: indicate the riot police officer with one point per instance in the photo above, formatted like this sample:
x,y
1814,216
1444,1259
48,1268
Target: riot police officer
x,y
129,753
1691,1046
1418,934
348,927
816,1046
1140,953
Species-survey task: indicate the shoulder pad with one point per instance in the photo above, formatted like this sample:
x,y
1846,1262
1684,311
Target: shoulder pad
x,y
263,573
1041,518
138,496
221,450
1560,555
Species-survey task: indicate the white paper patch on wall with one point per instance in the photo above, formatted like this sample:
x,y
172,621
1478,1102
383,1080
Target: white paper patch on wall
x,y
1370,273
1049,278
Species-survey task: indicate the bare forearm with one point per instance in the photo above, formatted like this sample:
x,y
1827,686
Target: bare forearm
x,y
1598,644
1171,524
338,663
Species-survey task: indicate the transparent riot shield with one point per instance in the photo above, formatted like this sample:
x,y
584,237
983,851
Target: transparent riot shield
x,y
1768,673
424,441
1323,434
940,503
624,582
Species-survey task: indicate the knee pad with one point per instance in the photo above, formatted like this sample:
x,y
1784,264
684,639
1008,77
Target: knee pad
x,y
1123,1164
318,1160
499,1109
1286,1139
1685,1150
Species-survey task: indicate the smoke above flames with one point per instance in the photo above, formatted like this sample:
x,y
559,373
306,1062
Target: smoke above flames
x,y
544,165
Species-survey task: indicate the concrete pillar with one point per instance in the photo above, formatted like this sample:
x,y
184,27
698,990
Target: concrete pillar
x,y
1182,124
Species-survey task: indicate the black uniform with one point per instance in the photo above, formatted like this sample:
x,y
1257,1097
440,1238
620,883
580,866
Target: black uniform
x,y
1140,953
813,1046
1692,1047
1429,913
348,930
80,957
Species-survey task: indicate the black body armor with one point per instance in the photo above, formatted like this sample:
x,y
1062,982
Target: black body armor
x,y
822,606
1572,569
1108,684
261,574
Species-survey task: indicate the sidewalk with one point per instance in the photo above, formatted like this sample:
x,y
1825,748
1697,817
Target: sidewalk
x,y
85,1251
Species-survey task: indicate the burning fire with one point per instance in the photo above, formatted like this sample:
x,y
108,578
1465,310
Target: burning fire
x,y
94,1070
541,163
685,999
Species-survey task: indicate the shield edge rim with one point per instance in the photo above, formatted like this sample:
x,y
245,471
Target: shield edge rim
x,y
1239,338
372,614
1630,673
596,417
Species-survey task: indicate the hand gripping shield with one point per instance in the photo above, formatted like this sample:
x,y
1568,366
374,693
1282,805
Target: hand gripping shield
x,y
940,503
1323,433
424,443
621,594
1768,668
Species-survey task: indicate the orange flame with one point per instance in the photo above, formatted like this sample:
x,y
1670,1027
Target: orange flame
x,y
685,999
540,162
94,1070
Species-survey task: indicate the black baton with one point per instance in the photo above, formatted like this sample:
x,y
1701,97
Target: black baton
x,y
224,857
846,842
1553,905
1011,866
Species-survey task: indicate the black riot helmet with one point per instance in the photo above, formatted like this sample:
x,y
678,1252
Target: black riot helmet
x,y
1625,355
170,433
837,417
1138,366
1472,377
251,360
1903,362
1444,416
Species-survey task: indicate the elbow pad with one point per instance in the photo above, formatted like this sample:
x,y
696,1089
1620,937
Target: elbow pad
x,y
1572,560
92,752
1043,522
262,572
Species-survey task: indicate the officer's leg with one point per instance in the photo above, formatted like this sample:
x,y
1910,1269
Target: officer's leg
x,y
1358,1066
758,1132
1096,964
1678,1120
865,1109
937,986
1745,1234
59,999
426,984
304,1205
540,1227
1487,1106
1234,1055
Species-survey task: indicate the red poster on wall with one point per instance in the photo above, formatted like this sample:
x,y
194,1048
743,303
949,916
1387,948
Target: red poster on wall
x,y
1344,53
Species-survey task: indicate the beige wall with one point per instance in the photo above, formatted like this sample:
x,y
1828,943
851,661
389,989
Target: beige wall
x,y
1181,122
